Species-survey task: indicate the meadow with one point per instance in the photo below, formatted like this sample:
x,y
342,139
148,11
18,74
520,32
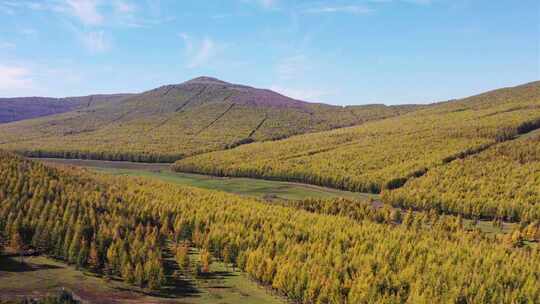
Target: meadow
x,y
259,188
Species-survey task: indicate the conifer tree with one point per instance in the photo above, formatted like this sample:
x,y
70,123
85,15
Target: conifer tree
x,y
16,243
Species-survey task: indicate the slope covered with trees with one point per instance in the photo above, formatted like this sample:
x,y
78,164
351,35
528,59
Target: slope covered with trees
x,y
174,121
501,182
385,154
118,226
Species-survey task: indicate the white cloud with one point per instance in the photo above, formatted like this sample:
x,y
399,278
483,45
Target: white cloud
x,y
95,41
199,53
85,10
14,77
351,9
206,51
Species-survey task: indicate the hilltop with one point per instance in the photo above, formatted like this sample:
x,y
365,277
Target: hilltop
x,y
175,121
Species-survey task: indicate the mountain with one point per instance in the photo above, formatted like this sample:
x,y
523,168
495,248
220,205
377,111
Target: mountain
x,y
384,155
174,121
14,109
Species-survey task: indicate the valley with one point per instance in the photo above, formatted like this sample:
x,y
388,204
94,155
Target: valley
x,y
329,210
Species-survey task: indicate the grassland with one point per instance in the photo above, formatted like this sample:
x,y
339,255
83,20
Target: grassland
x,y
383,155
176,121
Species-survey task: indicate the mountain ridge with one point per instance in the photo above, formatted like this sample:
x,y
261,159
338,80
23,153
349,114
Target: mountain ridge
x,y
174,121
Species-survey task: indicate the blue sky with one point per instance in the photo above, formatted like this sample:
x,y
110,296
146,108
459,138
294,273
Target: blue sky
x,y
339,52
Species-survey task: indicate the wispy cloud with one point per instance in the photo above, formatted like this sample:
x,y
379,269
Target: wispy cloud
x,y
420,2
350,9
7,45
199,53
14,77
188,43
85,10
95,41
292,67
266,4
28,31
124,7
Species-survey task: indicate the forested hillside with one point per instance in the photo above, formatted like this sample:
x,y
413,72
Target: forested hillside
x,y
307,252
14,109
174,121
384,155
502,182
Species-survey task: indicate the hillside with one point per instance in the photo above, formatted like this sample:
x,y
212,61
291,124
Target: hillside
x,y
14,109
502,181
386,154
175,121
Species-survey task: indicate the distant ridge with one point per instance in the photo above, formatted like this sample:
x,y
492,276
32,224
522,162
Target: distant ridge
x,y
20,108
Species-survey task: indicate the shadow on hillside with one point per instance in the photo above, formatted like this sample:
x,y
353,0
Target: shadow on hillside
x,y
12,263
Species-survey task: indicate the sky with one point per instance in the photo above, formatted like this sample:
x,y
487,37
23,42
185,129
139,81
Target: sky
x,y
339,52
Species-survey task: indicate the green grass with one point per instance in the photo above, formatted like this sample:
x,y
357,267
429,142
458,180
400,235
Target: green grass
x,y
41,276
265,189
488,227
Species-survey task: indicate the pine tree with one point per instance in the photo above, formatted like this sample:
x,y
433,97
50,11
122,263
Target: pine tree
x,y
128,273
93,257
182,257
205,260
154,274
139,275
16,243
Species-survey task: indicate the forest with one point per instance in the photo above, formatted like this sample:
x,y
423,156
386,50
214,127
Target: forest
x,y
501,182
311,251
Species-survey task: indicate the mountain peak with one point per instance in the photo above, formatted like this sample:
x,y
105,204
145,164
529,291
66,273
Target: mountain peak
x,y
206,80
